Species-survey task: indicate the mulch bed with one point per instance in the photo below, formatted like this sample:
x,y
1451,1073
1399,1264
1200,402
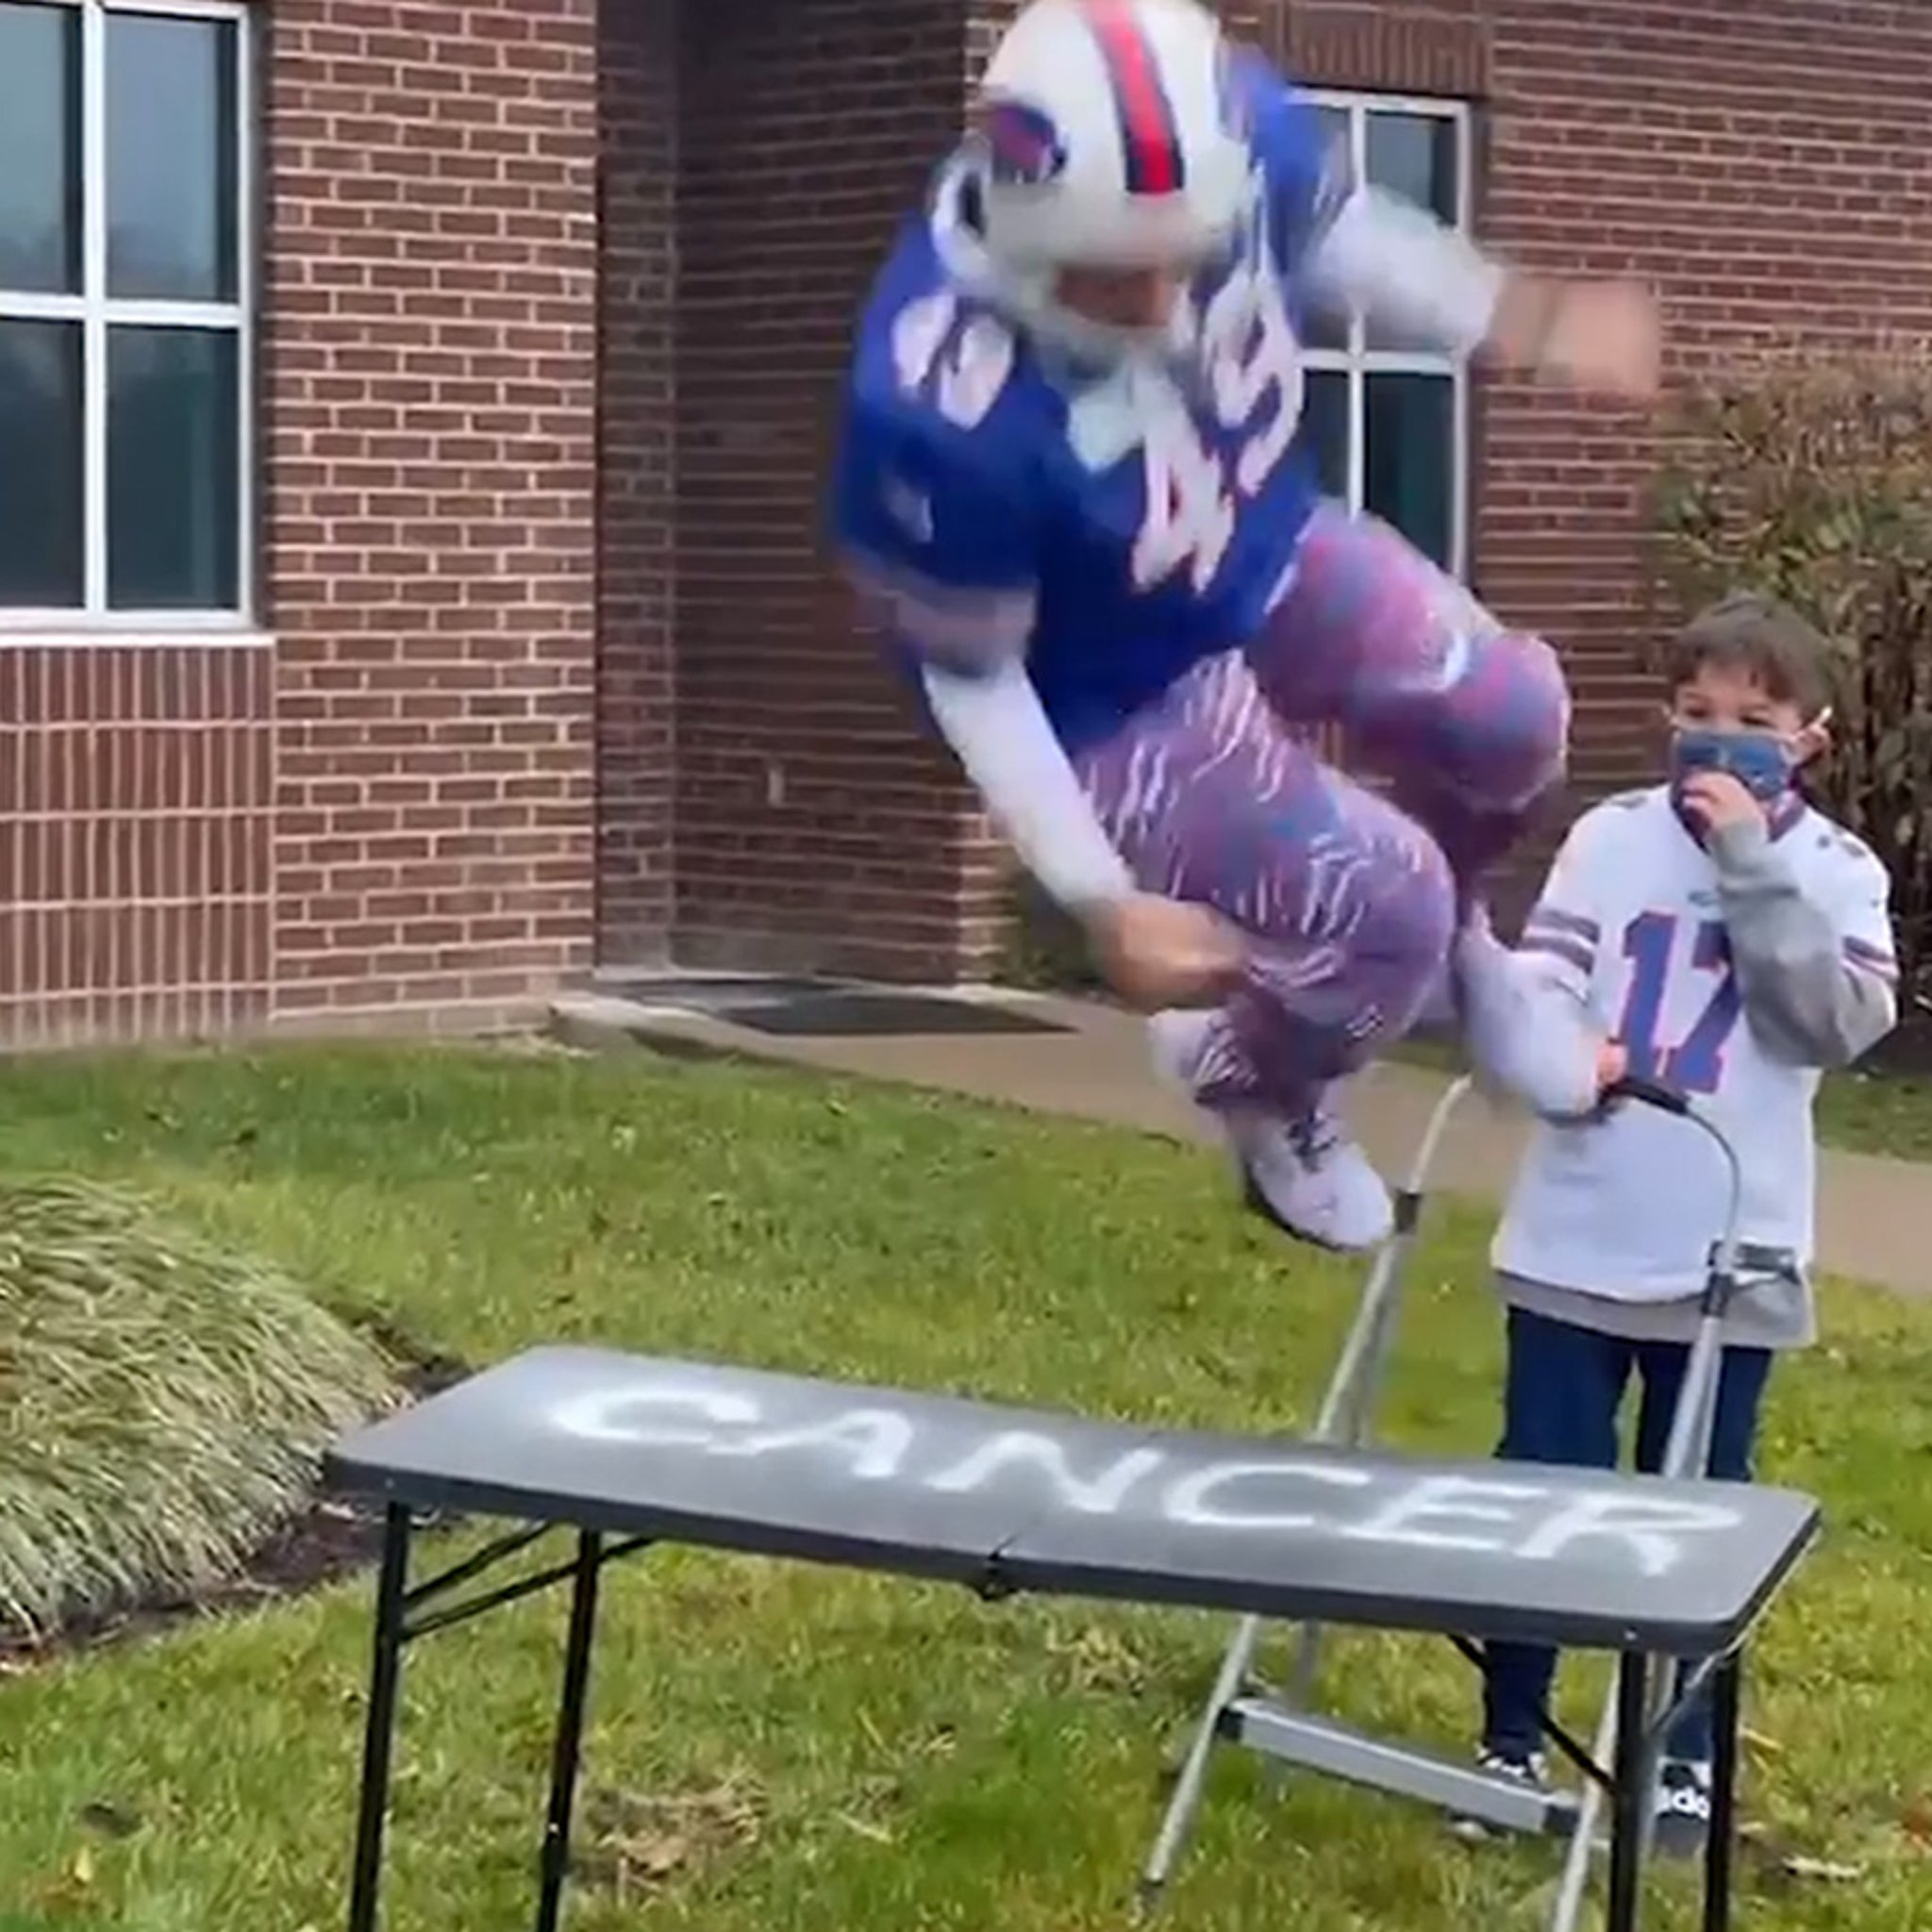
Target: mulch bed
x,y
329,1541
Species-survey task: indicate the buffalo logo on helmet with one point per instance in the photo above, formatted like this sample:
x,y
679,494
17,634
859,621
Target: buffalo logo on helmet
x,y
1023,145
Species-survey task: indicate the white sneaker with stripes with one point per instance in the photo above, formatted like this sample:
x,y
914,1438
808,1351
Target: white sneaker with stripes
x,y
1304,1175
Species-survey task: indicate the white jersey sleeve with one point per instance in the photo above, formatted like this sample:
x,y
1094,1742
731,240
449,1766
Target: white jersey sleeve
x,y
1807,921
1862,910
1564,929
1532,1026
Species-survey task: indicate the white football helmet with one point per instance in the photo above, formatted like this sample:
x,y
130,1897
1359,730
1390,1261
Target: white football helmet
x,y
1105,135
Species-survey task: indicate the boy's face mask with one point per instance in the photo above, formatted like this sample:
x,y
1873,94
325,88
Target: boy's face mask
x,y
1764,762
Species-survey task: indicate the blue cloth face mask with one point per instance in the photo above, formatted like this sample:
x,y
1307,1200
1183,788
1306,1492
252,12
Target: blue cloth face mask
x,y
1761,762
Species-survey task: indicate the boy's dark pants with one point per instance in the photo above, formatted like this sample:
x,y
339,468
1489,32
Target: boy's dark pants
x,y
1562,1390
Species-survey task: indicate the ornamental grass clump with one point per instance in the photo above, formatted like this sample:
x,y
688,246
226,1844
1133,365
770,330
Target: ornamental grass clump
x,y
163,1403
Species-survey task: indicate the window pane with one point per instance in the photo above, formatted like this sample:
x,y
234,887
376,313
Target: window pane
x,y
1333,122
174,468
39,148
1408,457
171,159
1330,331
1413,155
39,472
1324,429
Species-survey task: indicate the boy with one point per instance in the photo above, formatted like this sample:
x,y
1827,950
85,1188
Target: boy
x,y
1726,937
1071,484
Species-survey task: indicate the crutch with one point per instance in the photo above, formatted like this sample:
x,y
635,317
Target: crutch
x,y
1686,1452
1344,1419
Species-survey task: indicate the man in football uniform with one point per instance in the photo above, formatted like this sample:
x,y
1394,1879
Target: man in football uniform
x,y
1070,484
1726,938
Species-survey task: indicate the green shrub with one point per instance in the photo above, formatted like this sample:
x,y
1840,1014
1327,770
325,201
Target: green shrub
x,y
1811,480
163,1405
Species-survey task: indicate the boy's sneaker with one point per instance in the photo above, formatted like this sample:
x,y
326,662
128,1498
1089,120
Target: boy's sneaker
x,y
1683,1807
1533,1771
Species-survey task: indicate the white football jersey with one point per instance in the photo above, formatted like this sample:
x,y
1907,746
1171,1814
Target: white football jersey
x,y
1629,921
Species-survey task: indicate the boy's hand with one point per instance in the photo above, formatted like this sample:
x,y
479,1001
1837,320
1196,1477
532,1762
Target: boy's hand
x,y
1716,800
1611,1063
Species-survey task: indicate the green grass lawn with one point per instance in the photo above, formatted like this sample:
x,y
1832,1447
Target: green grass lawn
x,y
777,1747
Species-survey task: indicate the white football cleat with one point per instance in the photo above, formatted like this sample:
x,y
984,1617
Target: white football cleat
x,y
1304,1175
1311,1181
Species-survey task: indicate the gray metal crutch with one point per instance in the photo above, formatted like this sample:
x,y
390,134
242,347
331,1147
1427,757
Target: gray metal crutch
x,y
1688,1452
1344,1415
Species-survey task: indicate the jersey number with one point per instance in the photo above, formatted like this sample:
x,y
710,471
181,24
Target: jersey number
x,y
1696,1063
965,367
1251,357
1190,519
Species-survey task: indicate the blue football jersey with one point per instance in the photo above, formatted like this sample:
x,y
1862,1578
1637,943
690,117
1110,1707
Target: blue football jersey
x,y
1116,528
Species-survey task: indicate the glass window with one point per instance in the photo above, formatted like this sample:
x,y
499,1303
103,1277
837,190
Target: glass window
x,y
39,148
171,154
1326,331
124,292
173,448
1324,428
1408,456
1417,157
41,493
1384,417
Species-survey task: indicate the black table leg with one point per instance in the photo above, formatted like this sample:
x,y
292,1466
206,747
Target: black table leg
x,y
568,1746
1720,1845
1630,1793
378,1736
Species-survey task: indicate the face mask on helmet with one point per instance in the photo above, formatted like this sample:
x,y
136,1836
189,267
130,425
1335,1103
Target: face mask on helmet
x,y
1104,316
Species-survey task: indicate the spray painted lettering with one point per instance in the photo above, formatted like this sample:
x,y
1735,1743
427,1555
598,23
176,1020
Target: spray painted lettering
x,y
1560,1515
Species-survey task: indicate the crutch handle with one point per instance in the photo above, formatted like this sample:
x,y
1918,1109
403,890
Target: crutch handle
x,y
1648,1093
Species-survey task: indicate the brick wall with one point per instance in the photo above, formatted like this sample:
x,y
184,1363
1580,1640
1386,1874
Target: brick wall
x,y
636,517
430,277
136,839
814,827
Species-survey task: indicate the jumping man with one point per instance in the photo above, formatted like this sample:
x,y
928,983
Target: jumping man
x,y
1071,486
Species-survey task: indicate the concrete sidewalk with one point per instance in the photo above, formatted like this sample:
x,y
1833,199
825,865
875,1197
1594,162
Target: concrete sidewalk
x,y
1874,1215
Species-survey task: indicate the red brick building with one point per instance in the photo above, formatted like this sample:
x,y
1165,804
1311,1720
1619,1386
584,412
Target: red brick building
x,y
411,411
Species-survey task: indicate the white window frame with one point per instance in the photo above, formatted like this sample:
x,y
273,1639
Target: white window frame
x,y
1357,360
96,312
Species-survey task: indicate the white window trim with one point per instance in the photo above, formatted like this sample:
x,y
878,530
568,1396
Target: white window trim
x,y
96,312
1357,360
